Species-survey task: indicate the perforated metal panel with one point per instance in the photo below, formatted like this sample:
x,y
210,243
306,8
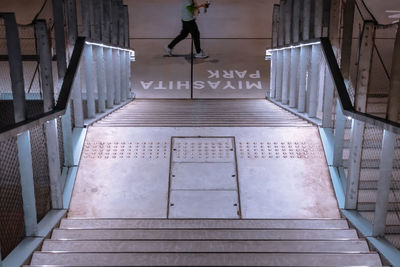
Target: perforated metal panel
x,y
40,171
60,142
12,225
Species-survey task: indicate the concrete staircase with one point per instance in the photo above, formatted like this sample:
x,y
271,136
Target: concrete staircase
x,y
162,242
202,113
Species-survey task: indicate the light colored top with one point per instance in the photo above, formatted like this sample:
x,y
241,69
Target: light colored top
x,y
187,14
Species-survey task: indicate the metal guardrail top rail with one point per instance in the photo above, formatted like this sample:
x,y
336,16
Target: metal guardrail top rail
x,y
65,93
341,88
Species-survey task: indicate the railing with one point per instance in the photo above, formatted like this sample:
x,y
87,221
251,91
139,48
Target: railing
x,y
37,152
312,86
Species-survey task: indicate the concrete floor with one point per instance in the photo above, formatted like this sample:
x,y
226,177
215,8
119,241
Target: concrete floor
x,y
236,68
281,173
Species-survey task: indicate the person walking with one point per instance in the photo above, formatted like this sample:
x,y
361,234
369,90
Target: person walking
x,y
190,9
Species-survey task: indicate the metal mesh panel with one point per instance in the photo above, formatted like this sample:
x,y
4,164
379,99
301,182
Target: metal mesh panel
x,y
12,225
40,171
395,191
60,143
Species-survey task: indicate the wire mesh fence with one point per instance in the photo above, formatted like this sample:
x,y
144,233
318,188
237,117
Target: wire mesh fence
x,y
40,171
12,225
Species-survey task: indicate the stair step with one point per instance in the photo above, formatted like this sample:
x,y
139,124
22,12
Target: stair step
x,y
201,224
204,234
205,259
353,246
202,113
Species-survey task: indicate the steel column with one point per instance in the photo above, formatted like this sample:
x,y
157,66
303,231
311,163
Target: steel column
x,y
90,83
27,184
121,26
272,88
109,77
117,76
356,141
288,21
294,64
46,73
313,88
128,66
335,27
106,22
306,19
67,137
23,140
15,62
340,123
296,21
318,17
126,28
72,24
281,24
286,76
58,15
124,75
360,104
114,22
101,88
347,38
97,7
384,183
304,77
85,11
53,153
279,72
274,44
394,92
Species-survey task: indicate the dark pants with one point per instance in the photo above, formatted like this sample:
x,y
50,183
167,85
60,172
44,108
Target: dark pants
x,y
188,27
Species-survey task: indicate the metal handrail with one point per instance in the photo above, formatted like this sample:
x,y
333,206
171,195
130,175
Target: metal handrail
x,y
344,98
65,93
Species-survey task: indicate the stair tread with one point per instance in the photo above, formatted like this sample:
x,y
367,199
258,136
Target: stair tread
x,y
352,246
248,224
206,259
204,234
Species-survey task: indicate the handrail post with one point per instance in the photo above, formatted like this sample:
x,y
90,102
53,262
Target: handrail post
x,y
329,94
286,53
58,15
274,44
347,38
97,7
340,123
23,140
313,86
53,153
357,130
76,88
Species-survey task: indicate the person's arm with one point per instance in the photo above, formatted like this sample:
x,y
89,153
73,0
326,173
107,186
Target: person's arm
x,y
195,8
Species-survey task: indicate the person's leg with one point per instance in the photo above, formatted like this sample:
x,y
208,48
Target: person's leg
x,y
183,34
194,31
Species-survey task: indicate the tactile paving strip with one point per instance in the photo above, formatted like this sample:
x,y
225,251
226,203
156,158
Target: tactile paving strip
x,y
202,150
278,150
150,150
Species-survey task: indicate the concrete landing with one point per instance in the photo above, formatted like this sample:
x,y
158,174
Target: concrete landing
x,y
281,172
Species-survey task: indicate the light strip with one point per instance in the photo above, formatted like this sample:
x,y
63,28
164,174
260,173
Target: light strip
x,y
131,51
269,51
